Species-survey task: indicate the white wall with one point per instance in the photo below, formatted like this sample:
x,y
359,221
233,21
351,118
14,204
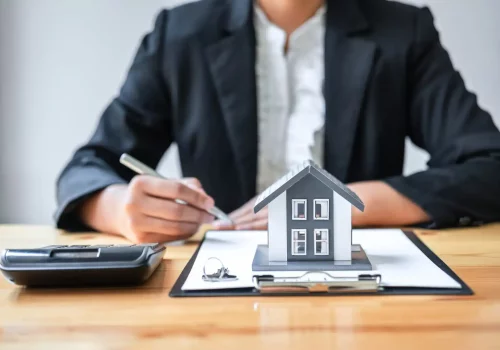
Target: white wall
x,y
62,61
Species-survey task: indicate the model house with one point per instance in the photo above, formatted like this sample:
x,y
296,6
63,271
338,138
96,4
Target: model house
x,y
309,220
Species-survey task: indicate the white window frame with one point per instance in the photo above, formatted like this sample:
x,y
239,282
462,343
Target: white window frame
x,y
327,209
293,240
296,201
318,230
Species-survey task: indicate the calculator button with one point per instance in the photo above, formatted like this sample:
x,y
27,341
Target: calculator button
x,y
78,246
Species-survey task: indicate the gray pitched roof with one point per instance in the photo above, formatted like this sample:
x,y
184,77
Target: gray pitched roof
x,y
295,175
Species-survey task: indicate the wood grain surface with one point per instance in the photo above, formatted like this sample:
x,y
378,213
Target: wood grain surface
x,y
146,317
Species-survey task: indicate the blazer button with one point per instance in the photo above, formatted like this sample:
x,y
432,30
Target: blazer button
x,y
464,221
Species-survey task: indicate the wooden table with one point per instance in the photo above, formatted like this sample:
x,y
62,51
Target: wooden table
x,y
146,318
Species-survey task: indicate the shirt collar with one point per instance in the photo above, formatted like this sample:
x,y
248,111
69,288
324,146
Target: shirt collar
x,y
309,35
263,19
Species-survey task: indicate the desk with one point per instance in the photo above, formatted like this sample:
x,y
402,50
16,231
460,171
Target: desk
x,y
146,318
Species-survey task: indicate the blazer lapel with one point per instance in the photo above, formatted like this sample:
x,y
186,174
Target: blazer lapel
x,y
348,63
232,65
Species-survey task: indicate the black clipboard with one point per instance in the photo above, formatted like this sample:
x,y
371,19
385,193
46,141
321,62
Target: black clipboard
x,y
463,290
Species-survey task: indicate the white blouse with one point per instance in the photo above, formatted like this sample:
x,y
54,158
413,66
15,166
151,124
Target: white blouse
x,y
291,105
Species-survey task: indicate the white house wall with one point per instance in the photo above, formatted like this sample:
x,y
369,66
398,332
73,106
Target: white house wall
x,y
277,229
341,228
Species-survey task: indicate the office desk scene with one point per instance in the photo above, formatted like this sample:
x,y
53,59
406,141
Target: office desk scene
x,y
146,317
254,174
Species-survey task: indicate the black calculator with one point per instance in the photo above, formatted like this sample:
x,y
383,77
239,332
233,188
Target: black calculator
x,y
81,265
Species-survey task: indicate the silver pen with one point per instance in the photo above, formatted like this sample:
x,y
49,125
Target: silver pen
x,y
142,169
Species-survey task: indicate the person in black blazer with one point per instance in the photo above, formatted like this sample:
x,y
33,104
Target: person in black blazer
x,y
193,82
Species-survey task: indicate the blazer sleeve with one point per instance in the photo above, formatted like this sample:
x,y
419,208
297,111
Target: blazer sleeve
x,y
462,185
135,122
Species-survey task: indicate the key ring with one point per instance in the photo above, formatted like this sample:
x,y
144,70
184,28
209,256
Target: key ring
x,y
222,273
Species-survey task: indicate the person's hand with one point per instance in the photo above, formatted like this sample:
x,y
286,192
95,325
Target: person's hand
x,y
245,219
384,206
146,211
150,212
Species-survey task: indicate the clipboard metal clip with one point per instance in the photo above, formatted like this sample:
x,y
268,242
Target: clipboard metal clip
x,y
318,282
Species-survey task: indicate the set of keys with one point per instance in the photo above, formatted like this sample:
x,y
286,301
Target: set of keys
x,y
217,273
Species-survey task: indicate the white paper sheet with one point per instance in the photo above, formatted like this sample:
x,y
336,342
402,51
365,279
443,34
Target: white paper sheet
x,y
392,254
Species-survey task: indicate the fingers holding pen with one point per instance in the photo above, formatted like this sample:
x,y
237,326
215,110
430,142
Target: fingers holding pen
x,y
170,189
167,209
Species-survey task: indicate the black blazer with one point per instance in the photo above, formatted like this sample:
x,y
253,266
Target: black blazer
x,y
387,77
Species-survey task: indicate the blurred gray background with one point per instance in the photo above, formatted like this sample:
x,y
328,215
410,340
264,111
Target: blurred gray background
x,y
62,61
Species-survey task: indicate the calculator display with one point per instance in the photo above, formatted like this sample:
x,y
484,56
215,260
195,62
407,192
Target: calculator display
x,y
76,254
